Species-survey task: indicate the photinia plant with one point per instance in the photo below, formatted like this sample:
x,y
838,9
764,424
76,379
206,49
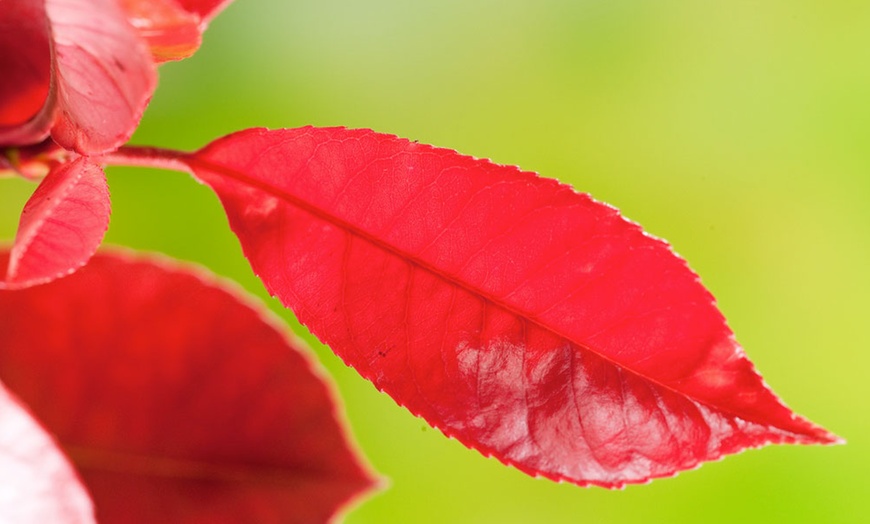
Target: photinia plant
x,y
522,318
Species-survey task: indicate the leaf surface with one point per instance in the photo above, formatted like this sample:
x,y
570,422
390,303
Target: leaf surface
x,y
62,224
104,74
521,317
176,399
37,482
25,60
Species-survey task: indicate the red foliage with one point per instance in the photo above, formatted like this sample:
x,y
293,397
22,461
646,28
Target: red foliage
x,y
81,71
176,400
521,317
173,29
61,226
25,60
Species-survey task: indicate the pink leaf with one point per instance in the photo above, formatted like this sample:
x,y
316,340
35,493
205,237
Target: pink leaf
x,y
104,75
176,398
25,60
61,225
513,313
37,483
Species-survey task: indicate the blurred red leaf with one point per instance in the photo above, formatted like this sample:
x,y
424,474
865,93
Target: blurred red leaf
x,y
25,60
171,32
61,226
206,9
176,401
104,75
37,483
172,28
523,318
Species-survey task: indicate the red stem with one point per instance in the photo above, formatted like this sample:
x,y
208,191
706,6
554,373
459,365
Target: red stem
x,y
147,157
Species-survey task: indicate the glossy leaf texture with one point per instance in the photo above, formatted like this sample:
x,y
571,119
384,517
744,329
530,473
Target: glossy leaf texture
x,y
521,317
176,398
37,482
62,225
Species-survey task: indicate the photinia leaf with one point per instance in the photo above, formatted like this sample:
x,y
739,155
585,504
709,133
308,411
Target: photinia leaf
x,y
177,400
37,483
25,60
521,317
62,224
172,28
171,32
206,9
104,75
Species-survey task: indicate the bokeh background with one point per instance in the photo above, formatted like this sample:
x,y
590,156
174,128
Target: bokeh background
x,y
737,130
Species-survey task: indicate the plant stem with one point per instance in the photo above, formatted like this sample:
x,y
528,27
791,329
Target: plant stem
x,y
147,157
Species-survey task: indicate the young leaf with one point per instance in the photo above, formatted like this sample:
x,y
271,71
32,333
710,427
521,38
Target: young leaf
x,y
172,28
104,75
176,398
61,225
171,32
37,483
511,312
206,9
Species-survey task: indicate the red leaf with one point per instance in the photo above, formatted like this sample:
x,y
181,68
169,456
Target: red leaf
x,y
37,483
172,28
524,319
206,9
177,401
171,32
104,75
25,59
61,226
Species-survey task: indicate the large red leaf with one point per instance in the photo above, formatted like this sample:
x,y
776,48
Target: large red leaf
x,y
513,313
25,60
37,483
104,74
62,225
177,401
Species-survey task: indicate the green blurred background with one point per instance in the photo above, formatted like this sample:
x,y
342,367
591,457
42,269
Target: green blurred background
x,y
737,130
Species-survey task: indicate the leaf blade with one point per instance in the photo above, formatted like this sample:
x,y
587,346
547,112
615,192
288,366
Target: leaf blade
x,y
104,75
62,225
172,28
25,59
330,218
176,399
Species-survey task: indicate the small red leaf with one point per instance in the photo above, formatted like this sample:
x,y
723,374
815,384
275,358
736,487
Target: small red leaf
x,y
206,9
61,226
104,74
172,33
37,483
177,401
25,60
172,28
521,317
